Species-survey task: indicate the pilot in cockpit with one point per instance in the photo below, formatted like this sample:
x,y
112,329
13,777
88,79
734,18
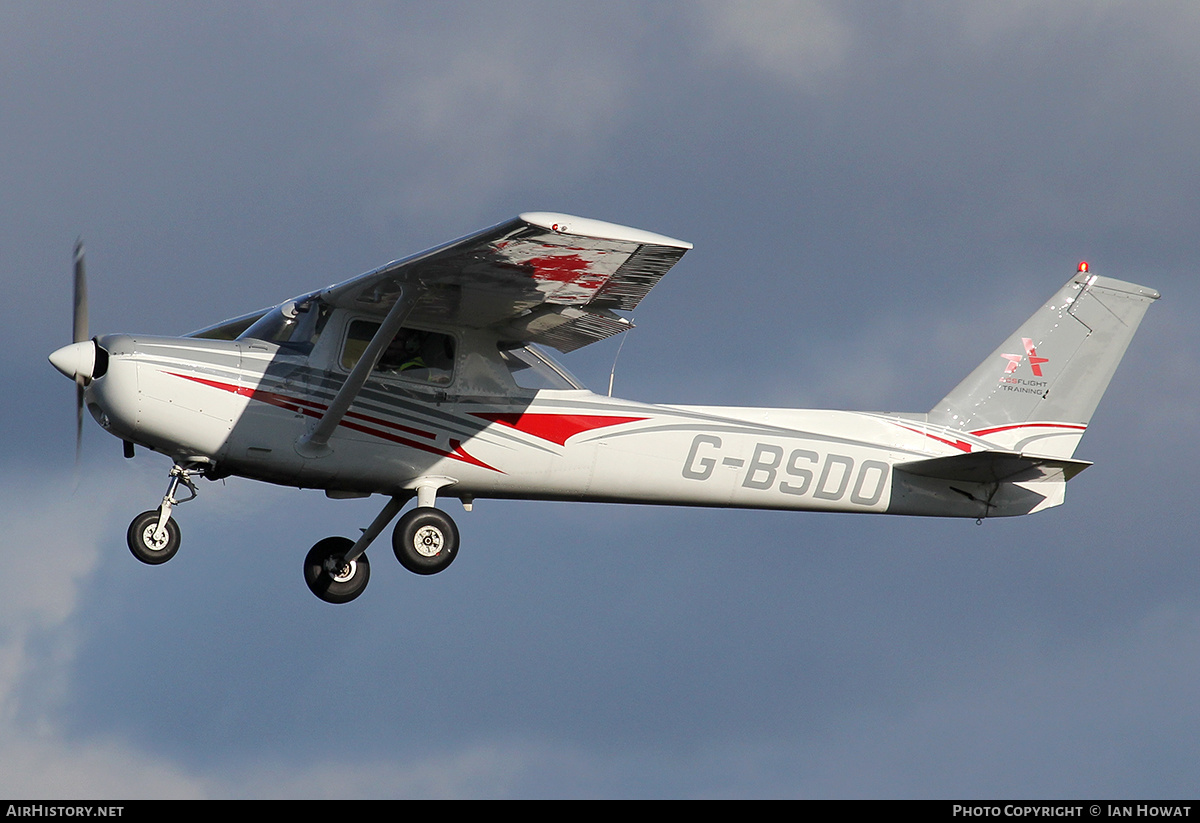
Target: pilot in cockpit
x,y
403,353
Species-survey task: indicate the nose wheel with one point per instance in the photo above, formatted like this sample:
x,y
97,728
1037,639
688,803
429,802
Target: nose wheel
x,y
149,543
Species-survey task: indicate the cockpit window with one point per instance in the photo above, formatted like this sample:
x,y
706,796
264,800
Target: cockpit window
x,y
292,325
414,354
531,368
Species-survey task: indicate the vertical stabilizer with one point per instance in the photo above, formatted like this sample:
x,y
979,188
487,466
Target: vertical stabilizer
x,y
1037,392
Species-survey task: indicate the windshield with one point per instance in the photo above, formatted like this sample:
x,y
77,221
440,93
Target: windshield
x,y
295,325
532,368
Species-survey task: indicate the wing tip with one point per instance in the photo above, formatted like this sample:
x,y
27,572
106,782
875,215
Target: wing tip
x,y
587,227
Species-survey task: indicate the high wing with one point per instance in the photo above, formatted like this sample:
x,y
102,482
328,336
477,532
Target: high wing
x,y
541,277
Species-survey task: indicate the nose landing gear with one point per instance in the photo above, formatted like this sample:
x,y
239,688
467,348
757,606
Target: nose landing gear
x,y
153,537
336,569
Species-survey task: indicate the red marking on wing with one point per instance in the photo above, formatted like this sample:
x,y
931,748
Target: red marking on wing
x,y
310,408
556,428
566,268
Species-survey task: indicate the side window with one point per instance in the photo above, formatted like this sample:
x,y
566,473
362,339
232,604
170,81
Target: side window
x,y
357,338
532,368
415,355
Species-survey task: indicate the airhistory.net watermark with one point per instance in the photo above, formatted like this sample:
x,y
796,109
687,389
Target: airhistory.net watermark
x,y
47,810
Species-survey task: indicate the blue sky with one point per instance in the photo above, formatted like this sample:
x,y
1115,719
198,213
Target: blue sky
x,y
877,195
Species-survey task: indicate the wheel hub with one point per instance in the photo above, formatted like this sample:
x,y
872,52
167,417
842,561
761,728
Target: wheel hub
x,y
428,541
340,571
152,543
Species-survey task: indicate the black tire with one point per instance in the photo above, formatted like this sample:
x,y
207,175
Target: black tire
x,y
425,540
140,538
335,588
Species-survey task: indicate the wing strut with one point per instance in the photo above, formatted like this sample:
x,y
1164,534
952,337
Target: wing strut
x,y
316,442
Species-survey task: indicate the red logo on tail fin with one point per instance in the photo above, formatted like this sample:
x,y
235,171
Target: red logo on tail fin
x,y
1035,362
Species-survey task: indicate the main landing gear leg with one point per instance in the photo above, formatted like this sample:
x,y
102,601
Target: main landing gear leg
x,y
425,541
153,537
336,569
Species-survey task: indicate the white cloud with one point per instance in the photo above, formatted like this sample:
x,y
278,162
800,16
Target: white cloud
x,y
798,41
52,550
468,111
50,553
53,767
998,24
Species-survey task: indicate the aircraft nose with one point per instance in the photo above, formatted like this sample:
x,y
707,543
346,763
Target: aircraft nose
x,y
77,360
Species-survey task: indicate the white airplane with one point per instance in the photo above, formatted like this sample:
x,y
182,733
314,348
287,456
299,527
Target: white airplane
x,y
424,379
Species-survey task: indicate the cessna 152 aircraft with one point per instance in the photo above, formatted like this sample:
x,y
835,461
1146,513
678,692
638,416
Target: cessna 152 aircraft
x,y
425,378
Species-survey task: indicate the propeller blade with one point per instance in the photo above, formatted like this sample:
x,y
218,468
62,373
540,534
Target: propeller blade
x,y
80,329
78,418
79,333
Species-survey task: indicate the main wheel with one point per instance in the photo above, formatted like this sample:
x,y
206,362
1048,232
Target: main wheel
x,y
329,577
144,546
425,540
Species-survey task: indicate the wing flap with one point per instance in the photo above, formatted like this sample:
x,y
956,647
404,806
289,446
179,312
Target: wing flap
x,y
566,328
637,275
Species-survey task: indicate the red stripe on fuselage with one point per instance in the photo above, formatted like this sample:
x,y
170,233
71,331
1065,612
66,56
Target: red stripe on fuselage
x,y
556,428
310,408
984,432
961,445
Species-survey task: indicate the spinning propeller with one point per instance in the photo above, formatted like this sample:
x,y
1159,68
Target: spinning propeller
x,y
78,360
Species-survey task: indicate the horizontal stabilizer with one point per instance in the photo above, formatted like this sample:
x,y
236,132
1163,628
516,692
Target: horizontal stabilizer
x,y
995,467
